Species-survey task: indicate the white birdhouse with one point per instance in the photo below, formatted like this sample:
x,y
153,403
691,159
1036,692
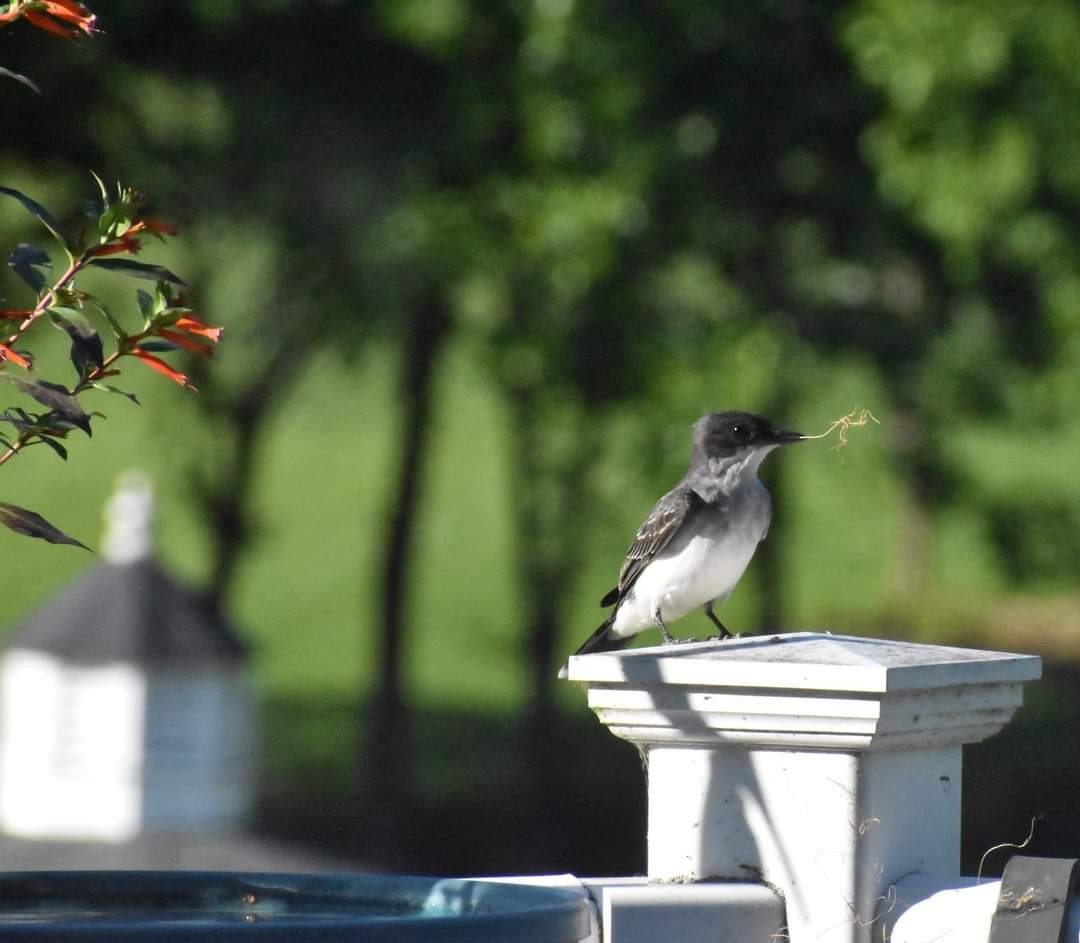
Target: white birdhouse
x,y
125,706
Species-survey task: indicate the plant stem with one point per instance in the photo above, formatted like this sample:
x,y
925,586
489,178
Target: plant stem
x,y
39,309
26,438
47,299
13,450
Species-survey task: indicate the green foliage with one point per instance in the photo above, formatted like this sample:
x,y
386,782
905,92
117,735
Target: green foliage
x,y
31,524
633,216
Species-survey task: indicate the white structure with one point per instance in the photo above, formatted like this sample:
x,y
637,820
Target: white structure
x,y
958,910
124,706
824,768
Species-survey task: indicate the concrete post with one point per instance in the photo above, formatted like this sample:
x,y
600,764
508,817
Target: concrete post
x,y
825,766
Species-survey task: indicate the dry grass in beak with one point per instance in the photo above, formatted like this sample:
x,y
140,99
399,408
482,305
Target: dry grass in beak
x,y
856,419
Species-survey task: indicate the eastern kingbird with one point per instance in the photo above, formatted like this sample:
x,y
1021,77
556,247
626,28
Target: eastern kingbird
x,y
698,539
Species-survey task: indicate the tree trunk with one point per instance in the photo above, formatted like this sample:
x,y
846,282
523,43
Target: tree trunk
x,y
225,490
386,756
548,498
547,504
229,509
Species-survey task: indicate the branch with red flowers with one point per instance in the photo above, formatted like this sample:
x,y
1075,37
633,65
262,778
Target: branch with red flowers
x,y
66,18
116,228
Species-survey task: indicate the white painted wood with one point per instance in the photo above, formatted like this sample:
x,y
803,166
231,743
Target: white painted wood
x,y
717,913
633,910
200,750
814,660
936,909
71,748
566,882
826,766
104,752
129,520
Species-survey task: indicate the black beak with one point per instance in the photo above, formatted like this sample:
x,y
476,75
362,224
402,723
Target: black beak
x,y
785,438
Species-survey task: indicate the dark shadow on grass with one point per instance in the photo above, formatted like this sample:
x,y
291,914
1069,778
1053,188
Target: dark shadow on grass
x,y
478,803
479,806
1031,768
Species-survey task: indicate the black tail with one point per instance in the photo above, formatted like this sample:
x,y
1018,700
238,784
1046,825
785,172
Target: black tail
x,y
600,641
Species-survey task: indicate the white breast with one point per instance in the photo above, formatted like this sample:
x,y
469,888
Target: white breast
x,y
700,570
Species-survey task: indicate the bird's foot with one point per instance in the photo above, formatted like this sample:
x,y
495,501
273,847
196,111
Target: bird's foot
x,y
669,639
724,631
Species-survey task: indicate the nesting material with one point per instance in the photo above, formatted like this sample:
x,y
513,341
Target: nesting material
x,y
1007,844
856,419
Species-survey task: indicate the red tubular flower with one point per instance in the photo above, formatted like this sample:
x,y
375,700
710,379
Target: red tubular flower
x,y
187,343
6,353
69,12
41,21
127,242
124,243
156,363
15,314
154,226
66,18
195,326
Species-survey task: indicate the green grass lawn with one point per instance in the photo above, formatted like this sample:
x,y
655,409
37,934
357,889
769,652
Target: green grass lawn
x,y
306,594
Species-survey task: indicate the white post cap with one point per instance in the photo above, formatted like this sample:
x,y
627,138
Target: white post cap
x,y
805,690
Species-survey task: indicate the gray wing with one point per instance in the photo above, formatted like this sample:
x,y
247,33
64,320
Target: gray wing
x,y
663,522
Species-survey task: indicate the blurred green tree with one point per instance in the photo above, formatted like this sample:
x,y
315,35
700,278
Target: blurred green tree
x,y
972,144
637,214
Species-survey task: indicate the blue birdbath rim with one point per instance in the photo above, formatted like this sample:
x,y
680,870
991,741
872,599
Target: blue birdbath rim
x,y
189,906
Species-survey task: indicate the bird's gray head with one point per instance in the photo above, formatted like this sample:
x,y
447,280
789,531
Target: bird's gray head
x,y
736,439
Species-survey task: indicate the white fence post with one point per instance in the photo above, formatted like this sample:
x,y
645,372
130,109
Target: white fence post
x,y
825,766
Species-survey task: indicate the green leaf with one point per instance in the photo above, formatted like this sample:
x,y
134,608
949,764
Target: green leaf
x,y
155,273
169,316
32,524
110,220
117,330
104,190
26,261
54,445
7,73
146,303
55,397
41,213
19,418
112,389
86,347
157,347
